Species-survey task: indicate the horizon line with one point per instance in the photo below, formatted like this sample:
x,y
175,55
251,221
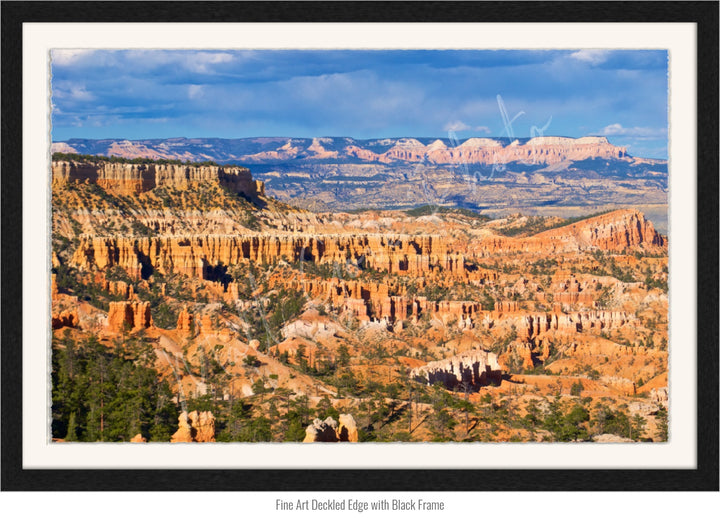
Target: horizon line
x,y
337,137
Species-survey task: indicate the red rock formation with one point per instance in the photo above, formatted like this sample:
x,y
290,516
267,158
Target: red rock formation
x,y
357,308
622,385
185,323
371,301
206,324
129,179
571,291
487,151
525,352
617,230
320,151
368,301
65,172
545,351
506,306
129,315
538,150
66,318
529,326
533,326
195,427
285,152
332,431
197,256
660,396
347,431
121,288
477,368
138,438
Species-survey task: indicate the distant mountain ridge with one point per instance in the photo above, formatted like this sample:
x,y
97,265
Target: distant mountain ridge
x,y
346,150
548,175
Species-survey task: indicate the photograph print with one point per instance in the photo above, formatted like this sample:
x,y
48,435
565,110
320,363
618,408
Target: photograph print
x,y
359,246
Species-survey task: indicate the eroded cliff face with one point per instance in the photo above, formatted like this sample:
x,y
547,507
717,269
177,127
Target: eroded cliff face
x,y
531,327
378,302
474,368
130,179
617,231
130,316
201,256
485,151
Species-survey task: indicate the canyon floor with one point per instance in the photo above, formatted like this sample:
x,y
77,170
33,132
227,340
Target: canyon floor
x,y
233,316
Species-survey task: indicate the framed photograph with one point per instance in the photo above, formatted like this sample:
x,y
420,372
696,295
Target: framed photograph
x,y
472,244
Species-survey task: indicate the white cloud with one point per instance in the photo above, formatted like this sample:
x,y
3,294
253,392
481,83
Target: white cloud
x,y
483,129
79,93
592,56
613,129
201,61
637,132
68,56
195,91
73,92
456,126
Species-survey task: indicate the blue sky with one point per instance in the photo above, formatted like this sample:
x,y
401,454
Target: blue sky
x,y
137,94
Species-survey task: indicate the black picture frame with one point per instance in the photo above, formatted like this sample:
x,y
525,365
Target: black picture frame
x,y
703,478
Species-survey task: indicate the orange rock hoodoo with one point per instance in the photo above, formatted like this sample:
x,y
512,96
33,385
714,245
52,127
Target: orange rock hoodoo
x,y
506,306
195,427
198,256
368,301
534,326
129,179
332,431
129,316
475,368
571,291
185,323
